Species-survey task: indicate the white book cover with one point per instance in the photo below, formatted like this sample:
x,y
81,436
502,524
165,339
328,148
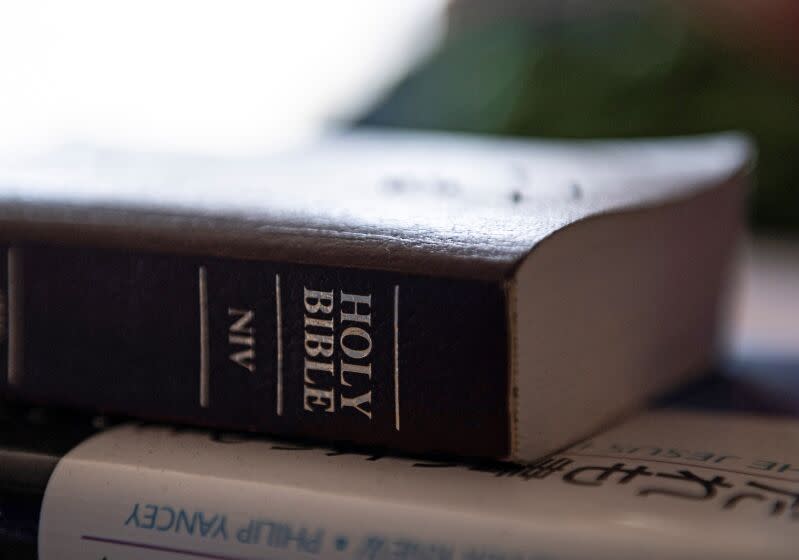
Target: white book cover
x,y
669,483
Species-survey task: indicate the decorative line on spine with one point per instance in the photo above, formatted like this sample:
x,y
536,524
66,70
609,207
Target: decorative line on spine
x,y
279,320
205,351
14,310
396,359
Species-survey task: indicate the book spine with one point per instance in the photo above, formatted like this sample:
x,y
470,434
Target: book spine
x,y
369,357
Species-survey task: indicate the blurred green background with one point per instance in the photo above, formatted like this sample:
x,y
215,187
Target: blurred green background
x,y
606,69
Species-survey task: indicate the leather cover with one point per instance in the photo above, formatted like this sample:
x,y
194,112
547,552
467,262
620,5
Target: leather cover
x,y
356,291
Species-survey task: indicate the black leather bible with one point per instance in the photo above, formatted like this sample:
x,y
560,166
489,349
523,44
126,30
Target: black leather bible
x,y
427,293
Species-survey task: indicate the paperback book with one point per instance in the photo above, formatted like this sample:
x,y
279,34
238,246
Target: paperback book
x,y
710,474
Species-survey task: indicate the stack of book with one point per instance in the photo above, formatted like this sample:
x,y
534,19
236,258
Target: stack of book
x,y
450,341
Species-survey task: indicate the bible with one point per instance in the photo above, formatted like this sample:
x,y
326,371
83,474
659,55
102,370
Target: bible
x,y
420,292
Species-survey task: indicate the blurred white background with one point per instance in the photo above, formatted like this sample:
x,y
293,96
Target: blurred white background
x,y
234,76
